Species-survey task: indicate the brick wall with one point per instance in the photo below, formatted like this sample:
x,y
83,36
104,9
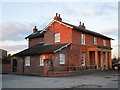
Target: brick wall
x,y
56,60
20,65
75,54
76,38
6,68
35,41
34,67
65,32
49,37
108,43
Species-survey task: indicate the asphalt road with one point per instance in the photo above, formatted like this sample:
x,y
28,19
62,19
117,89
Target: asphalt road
x,y
98,79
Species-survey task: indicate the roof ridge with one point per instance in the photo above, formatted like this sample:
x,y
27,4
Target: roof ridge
x,y
90,31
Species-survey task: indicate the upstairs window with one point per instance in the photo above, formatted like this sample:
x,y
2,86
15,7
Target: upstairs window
x,y
104,42
57,37
82,38
62,58
95,40
27,61
83,59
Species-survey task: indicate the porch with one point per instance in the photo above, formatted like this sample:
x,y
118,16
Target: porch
x,y
100,57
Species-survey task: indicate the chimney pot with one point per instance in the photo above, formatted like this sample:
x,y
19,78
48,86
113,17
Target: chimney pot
x,y
83,24
80,23
35,29
56,14
57,17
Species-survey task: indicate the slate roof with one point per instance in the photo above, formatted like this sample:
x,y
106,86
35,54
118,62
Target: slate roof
x,y
38,34
41,49
35,35
88,31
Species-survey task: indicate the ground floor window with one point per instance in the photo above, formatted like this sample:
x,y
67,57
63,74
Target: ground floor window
x,y
27,61
83,59
42,57
62,58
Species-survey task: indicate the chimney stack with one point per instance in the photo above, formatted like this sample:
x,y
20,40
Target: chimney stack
x,y
82,25
57,17
35,29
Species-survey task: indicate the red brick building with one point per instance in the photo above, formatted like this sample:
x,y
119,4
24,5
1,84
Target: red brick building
x,y
62,47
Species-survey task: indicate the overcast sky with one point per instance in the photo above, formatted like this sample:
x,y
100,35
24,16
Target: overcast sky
x,y
19,18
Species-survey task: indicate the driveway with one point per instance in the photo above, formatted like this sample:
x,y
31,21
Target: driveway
x,y
98,79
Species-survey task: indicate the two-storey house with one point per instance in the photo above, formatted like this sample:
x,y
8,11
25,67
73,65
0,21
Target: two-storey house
x,y
63,45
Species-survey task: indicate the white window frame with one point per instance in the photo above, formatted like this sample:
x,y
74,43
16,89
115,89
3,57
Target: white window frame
x,y
27,61
57,37
42,57
104,42
83,38
83,59
62,58
95,40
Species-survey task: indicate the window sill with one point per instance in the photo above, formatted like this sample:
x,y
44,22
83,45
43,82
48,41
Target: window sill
x,y
83,65
57,42
27,65
62,64
83,44
42,66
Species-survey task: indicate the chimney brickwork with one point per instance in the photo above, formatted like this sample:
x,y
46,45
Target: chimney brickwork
x,y
35,29
82,25
57,17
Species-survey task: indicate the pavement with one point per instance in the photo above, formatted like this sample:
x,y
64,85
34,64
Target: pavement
x,y
98,79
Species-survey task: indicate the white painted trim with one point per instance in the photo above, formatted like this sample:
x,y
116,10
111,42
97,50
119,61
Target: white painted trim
x,y
62,48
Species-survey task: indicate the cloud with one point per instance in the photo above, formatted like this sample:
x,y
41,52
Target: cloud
x,y
104,8
15,31
13,35
97,12
14,49
110,6
13,43
70,9
91,9
112,32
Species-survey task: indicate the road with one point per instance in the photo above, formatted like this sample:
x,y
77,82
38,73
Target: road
x,y
97,79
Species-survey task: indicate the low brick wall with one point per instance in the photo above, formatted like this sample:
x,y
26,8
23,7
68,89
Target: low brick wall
x,y
6,68
69,73
64,73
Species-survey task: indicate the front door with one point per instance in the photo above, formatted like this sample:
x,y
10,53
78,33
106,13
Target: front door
x,y
104,63
14,65
90,57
